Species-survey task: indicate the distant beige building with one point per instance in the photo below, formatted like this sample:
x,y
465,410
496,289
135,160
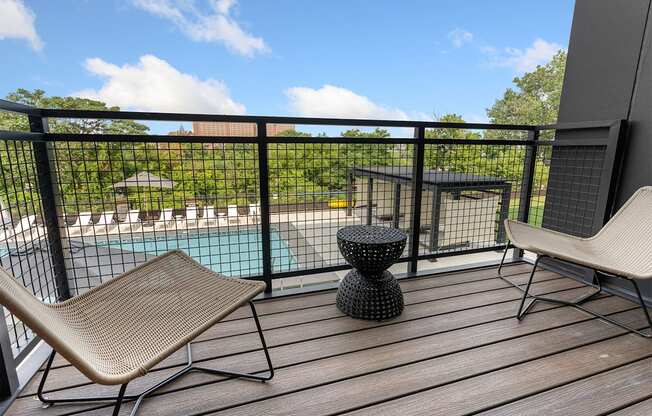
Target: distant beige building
x,y
181,132
226,129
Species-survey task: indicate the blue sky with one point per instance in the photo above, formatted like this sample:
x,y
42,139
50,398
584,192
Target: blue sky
x,y
354,58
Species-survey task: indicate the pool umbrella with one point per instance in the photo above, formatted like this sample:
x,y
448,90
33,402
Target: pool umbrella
x,y
5,216
144,179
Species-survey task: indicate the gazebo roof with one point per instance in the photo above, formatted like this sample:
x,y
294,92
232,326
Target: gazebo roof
x,y
144,179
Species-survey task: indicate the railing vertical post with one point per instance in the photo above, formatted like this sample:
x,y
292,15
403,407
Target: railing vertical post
x,y
529,165
8,375
417,190
396,214
505,197
47,191
349,192
370,200
265,212
434,221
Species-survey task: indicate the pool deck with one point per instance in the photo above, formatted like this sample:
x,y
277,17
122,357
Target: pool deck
x,y
456,350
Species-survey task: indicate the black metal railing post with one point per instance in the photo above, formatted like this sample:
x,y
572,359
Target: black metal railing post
x,y
349,192
417,191
47,186
370,200
265,212
529,165
8,376
396,212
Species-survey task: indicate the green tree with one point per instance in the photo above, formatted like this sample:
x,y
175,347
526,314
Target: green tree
x,y
83,168
448,157
38,98
535,98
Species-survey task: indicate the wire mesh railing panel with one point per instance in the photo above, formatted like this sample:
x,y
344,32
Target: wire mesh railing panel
x,y
572,192
468,192
318,188
540,184
126,202
24,251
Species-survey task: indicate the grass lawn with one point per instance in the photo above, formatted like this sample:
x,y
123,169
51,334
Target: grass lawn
x,y
535,216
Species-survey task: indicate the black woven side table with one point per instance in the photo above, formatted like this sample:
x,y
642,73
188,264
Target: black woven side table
x,y
369,291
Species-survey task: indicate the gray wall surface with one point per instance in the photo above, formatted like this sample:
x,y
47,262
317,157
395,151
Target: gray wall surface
x,y
603,55
609,76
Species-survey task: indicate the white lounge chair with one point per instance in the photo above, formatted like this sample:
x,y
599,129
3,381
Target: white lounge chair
x,y
132,222
232,214
164,219
191,216
84,220
5,216
208,216
622,249
104,224
21,230
254,213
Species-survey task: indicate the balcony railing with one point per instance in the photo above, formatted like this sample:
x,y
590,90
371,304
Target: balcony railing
x,y
268,208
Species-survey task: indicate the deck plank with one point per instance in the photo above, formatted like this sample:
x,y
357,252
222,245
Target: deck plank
x,y
643,408
285,358
423,317
440,352
495,292
480,392
604,392
456,349
414,294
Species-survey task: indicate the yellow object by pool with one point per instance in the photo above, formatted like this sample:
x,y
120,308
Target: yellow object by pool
x,y
337,203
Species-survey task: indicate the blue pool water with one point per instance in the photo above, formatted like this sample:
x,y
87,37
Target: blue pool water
x,y
231,253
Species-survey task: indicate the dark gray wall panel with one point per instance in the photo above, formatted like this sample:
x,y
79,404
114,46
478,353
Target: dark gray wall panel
x,y
602,59
637,169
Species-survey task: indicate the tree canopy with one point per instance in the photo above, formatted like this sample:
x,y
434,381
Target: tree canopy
x,y
227,173
534,98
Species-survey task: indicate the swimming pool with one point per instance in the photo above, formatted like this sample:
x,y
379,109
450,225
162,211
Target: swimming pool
x,y
234,253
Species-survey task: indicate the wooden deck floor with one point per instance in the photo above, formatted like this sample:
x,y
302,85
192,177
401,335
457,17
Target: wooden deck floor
x,y
455,350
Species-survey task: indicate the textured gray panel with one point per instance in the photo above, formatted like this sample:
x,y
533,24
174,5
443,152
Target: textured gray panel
x,y
574,189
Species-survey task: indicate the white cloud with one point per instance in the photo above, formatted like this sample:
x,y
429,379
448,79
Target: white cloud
x,y
526,60
155,85
332,101
213,25
224,6
17,21
459,37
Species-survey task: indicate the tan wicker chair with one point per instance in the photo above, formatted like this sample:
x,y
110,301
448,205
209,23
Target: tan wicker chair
x,y
119,330
622,248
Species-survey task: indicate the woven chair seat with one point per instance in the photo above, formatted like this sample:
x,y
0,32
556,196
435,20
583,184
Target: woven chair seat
x,y
118,331
622,247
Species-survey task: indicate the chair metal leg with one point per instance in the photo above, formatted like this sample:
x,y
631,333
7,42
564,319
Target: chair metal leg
x,y
577,303
523,311
502,261
121,398
118,401
41,394
270,366
647,313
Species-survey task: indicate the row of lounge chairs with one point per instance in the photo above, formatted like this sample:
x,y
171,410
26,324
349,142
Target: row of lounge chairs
x,y
26,229
107,222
